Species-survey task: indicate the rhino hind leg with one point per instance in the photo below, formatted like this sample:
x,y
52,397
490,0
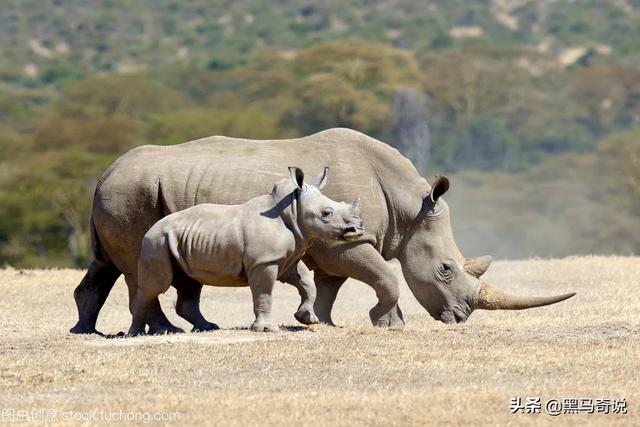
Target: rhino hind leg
x,y
300,277
160,325
91,294
188,304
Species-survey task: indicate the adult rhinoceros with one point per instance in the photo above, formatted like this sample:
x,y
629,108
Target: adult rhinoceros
x,y
404,218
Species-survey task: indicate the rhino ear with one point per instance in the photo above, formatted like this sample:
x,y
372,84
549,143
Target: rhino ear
x,y
439,187
321,180
297,176
477,266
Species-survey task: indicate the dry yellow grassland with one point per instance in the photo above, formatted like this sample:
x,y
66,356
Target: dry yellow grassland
x,y
355,374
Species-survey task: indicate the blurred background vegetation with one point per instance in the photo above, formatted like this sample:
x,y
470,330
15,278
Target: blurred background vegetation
x,y
531,107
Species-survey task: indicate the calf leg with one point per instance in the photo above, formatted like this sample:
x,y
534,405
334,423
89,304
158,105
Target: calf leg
x,y
300,277
155,274
261,281
155,317
188,304
91,294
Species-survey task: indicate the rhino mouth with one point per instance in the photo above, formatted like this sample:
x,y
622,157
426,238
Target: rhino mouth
x,y
352,233
451,317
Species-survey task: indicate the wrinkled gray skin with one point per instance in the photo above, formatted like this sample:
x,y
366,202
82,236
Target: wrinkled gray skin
x,y
405,218
252,244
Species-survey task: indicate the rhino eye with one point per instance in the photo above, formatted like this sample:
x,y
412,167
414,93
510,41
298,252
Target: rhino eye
x,y
327,213
447,268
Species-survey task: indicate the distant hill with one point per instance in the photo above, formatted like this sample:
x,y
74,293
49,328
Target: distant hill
x,y
532,107
52,40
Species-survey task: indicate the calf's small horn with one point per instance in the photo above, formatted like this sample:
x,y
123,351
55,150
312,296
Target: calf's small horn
x,y
491,298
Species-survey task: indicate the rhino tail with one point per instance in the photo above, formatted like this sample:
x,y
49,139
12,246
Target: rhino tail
x,y
99,253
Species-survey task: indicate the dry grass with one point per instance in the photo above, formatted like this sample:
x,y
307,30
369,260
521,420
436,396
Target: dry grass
x,y
426,374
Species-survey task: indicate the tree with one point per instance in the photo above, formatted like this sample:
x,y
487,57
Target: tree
x,y
45,208
609,94
194,123
619,156
351,84
489,145
410,130
129,95
106,134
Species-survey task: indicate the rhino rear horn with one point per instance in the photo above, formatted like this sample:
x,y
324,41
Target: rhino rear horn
x,y
477,266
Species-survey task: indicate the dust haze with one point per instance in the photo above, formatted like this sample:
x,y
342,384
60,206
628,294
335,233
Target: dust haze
x,y
555,210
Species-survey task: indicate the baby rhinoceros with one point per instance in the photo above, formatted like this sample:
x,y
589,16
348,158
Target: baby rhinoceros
x,y
252,244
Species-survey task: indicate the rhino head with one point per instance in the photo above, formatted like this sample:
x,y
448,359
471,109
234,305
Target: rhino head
x,y
321,217
442,280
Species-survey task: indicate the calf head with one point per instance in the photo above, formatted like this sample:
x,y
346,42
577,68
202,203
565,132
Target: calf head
x,y
319,217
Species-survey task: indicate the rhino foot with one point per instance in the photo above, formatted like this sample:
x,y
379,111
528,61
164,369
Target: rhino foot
x,y
120,334
390,323
164,330
327,322
260,326
204,327
306,317
390,319
83,329
132,334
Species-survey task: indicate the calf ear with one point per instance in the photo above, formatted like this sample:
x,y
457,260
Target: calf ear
x,y
321,180
477,266
297,176
439,187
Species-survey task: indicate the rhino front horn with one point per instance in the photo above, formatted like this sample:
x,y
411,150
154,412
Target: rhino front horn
x,y
491,298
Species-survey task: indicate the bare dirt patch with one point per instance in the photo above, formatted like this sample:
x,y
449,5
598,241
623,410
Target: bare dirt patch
x,y
426,374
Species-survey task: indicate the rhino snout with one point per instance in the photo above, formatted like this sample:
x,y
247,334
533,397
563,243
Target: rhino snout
x,y
353,231
452,316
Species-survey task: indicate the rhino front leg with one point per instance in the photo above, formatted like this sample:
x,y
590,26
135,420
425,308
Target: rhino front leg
x,y
363,262
261,282
300,277
327,288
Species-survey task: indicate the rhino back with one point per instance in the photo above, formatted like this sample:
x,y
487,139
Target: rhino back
x,y
207,242
150,182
